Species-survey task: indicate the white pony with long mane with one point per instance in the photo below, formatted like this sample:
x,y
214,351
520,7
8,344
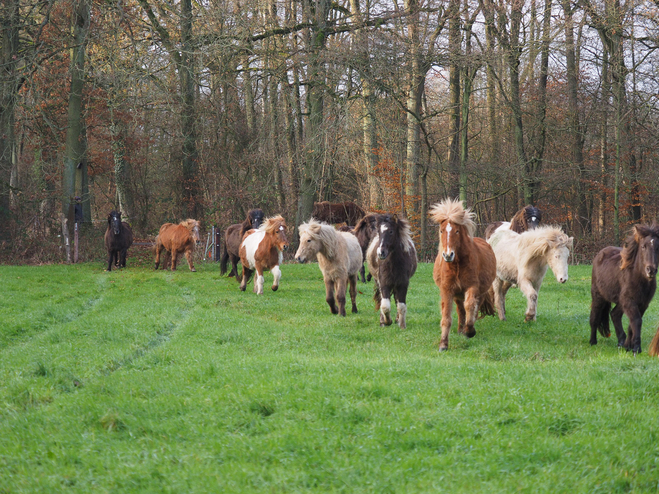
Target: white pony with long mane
x,y
523,259
339,258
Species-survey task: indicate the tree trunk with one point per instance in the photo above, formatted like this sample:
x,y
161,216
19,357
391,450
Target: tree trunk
x,y
454,44
416,81
604,142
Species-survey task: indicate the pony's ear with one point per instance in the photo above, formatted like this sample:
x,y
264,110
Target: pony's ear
x,y
570,243
395,218
638,233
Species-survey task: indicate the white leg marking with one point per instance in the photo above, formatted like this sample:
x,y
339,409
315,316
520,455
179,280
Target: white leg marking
x,y
402,314
276,272
261,281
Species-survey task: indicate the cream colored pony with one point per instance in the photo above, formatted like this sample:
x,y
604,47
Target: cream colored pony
x,y
339,258
523,259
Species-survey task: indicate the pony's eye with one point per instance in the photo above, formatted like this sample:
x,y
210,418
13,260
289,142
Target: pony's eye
x,y
308,240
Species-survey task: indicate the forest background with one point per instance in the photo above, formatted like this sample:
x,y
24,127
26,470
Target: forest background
x,y
174,109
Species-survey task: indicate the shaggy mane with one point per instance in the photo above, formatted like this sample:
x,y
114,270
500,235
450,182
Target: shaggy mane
x,y
190,224
535,243
324,233
405,234
630,249
271,225
454,211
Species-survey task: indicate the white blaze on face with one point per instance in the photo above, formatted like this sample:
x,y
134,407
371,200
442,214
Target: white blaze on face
x,y
252,243
449,228
533,218
383,229
281,228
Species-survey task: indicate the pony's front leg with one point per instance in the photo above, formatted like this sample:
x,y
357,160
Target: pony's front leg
x,y
259,281
385,306
174,254
447,319
111,260
362,273
353,293
634,333
341,286
531,295
471,304
124,254
329,296
401,307
188,257
276,272
462,314
158,251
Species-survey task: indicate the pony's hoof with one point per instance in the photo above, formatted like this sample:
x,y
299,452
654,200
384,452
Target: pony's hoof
x,y
354,310
242,288
274,288
593,343
443,348
193,270
529,318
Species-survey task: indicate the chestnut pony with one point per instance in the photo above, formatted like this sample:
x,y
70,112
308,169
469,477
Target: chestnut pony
x,y
626,277
178,239
233,237
261,250
464,270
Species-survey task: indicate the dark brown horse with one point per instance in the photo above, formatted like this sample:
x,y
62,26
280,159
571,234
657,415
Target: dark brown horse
x,y
464,270
342,212
118,238
527,218
366,230
233,236
391,259
625,277
261,250
178,239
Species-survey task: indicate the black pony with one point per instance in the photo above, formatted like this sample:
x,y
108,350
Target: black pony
x,y
233,237
392,261
118,238
625,277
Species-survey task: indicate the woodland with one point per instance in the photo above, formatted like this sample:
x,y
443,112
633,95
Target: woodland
x,y
174,109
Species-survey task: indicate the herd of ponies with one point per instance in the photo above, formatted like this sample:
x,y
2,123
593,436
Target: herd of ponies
x,y
473,273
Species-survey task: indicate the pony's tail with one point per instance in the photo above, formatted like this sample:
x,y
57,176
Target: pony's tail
x,y
487,305
599,318
223,261
653,351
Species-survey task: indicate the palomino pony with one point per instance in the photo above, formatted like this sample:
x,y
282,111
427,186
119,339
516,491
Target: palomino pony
x,y
464,270
341,212
233,237
527,218
625,277
261,250
391,260
523,259
118,238
366,230
339,258
178,239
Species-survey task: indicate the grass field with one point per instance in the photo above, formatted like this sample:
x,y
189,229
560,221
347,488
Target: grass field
x,y
143,381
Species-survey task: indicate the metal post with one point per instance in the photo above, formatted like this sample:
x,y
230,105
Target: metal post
x,y
75,243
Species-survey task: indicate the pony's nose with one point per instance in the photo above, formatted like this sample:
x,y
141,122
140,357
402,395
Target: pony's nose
x,y
651,271
562,280
448,257
299,259
285,246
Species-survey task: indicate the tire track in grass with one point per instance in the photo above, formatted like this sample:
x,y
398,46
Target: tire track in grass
x,y
47,321
163,335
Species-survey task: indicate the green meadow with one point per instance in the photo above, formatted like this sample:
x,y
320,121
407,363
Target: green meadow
x,y
144,381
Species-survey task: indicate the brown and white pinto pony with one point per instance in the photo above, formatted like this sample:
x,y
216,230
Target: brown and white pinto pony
x,y
464,270
527,218
262,250
342,212
391,259
339,259
233,237
626,277
523,259
178,239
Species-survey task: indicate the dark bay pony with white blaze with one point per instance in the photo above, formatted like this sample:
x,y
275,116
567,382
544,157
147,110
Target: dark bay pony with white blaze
x,y
339,259
233,237
261,250
527,218
464,270
626,277
118,238
392,261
